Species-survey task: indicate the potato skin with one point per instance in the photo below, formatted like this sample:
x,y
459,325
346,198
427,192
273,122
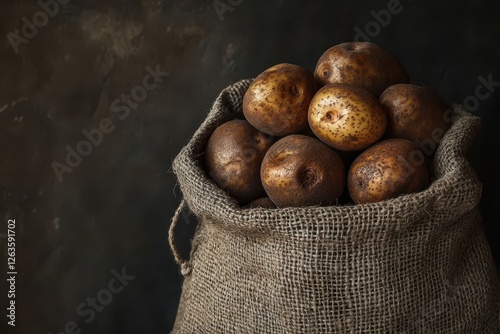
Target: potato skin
x,y
301,171
233,156
415,113
390,168
346,118
262,202
276,102
360,64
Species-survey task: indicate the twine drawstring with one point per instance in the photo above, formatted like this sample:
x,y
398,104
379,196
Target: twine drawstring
x,y
183,263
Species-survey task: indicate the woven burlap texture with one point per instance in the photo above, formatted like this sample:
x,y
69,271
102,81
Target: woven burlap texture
x,y
419,263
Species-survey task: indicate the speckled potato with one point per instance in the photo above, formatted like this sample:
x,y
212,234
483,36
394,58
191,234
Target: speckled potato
x,y
415,113
360,64
346,118
233,156
390,168
263,202
276,102
301,171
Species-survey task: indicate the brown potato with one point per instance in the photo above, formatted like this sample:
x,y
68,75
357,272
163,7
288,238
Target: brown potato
x,y
276,102
360,64
233,157
300,171
390,168
415,113
346,118
263,202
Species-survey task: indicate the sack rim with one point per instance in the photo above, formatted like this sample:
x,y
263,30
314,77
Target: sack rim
x,y
383,214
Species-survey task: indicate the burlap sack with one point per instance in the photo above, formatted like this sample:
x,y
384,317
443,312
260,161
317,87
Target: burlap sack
x,y
415,264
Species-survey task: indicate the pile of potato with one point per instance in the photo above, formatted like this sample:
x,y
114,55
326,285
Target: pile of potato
x,y
354,131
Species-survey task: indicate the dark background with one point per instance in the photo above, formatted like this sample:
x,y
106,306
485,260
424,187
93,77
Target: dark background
x,y
114,209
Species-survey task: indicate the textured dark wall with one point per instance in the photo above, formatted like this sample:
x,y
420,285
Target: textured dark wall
x,y
112,211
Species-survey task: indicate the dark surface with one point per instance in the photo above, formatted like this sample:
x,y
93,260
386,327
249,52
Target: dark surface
x,y
113,210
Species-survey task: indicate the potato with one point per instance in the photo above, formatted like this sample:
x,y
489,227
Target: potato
x,y
276,102
300,170
360,64
415,113
386,170
263,202
233,156
346,118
